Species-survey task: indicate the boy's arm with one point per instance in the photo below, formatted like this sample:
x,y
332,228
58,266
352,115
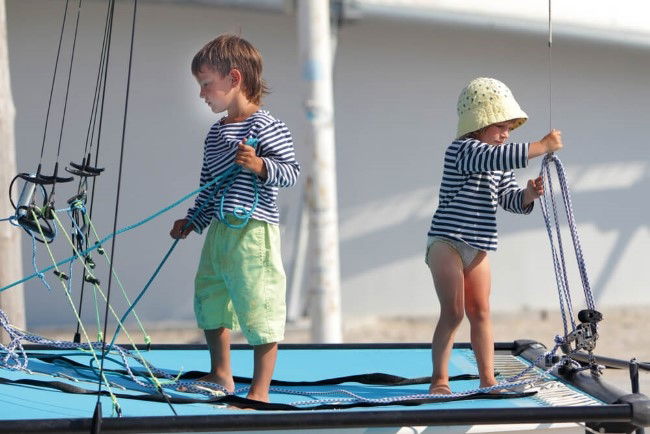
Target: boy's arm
x,y
278,155
511,197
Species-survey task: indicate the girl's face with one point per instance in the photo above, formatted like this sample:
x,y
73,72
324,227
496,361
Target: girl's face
x,y
495,134
216,90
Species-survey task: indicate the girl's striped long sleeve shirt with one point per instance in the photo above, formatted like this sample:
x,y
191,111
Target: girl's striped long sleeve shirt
x,y
476,177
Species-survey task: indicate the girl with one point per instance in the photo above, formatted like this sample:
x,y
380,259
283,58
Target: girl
x,y
477,176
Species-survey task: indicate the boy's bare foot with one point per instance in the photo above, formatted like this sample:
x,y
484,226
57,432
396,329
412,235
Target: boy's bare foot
x,y
439,389
225,382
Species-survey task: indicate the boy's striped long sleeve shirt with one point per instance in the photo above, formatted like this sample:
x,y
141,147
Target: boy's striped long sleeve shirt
x,y
275,147
477,177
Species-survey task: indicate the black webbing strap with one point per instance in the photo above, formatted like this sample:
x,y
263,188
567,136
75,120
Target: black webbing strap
x,y
375,378
240,402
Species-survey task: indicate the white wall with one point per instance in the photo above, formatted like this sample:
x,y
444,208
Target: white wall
x,y
396,85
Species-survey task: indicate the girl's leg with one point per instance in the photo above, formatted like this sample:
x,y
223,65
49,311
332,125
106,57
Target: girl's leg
x,y
265,356
447,272
477,308
219,345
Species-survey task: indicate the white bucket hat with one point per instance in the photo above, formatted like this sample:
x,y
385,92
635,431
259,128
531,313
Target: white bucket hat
x,y
486,101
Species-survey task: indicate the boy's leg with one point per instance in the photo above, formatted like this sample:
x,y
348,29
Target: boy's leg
x,y
477,308
213,309
265,356
257,286
220,371
447,272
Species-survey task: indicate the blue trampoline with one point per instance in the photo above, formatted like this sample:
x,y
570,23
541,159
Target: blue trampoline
x,y
370,386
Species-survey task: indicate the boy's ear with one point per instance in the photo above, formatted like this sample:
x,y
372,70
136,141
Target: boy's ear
x,y
235,77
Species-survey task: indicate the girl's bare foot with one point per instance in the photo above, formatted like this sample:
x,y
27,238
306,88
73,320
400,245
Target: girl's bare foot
x,y
263,397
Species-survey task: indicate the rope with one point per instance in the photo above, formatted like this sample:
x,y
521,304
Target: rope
x,y
117,198
99,243
550,66
557,252
16,359
513,382
39,274
56,65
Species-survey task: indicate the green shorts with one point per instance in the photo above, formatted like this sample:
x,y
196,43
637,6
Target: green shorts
x,y
240,282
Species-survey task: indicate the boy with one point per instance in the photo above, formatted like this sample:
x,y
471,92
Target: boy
x,y
240,279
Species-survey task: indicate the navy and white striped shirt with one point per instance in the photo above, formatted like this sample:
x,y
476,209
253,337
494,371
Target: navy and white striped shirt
x,y
476,177
275,147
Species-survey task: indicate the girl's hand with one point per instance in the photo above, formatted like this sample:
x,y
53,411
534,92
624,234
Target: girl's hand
x,y
247,158
552,141
534,189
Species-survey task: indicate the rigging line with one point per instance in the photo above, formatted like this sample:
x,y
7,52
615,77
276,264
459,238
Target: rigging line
x,y
147,338
88,268
130,227
550,67
74,310
90,137
49,104
98,83
117,206
108,53
96,285
234,169
67,87
65,103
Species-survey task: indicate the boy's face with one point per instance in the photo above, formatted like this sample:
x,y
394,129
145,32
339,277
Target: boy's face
x,y
216,90
495,134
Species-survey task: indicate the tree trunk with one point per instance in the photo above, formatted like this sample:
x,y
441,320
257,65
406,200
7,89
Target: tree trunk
x,y
12,301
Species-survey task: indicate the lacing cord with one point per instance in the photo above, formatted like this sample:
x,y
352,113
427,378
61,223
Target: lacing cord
x,y
557,251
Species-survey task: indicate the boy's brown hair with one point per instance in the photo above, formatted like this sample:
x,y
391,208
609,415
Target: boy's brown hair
x,y
228,52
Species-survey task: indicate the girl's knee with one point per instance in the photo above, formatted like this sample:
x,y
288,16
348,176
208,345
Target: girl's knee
x,y
451,317
477,312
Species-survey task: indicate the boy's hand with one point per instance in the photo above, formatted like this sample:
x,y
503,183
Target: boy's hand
x,y
552,141
534,189
177,231
247,158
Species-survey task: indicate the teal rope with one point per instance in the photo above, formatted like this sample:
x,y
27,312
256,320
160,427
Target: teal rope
x,y
160,265
239,212
98,244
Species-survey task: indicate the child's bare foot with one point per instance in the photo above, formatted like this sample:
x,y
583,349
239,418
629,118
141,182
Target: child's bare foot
x,y
263,397
439,389
498,391
225,382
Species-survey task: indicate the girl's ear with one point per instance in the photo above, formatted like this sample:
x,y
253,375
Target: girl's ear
x,y
235,77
